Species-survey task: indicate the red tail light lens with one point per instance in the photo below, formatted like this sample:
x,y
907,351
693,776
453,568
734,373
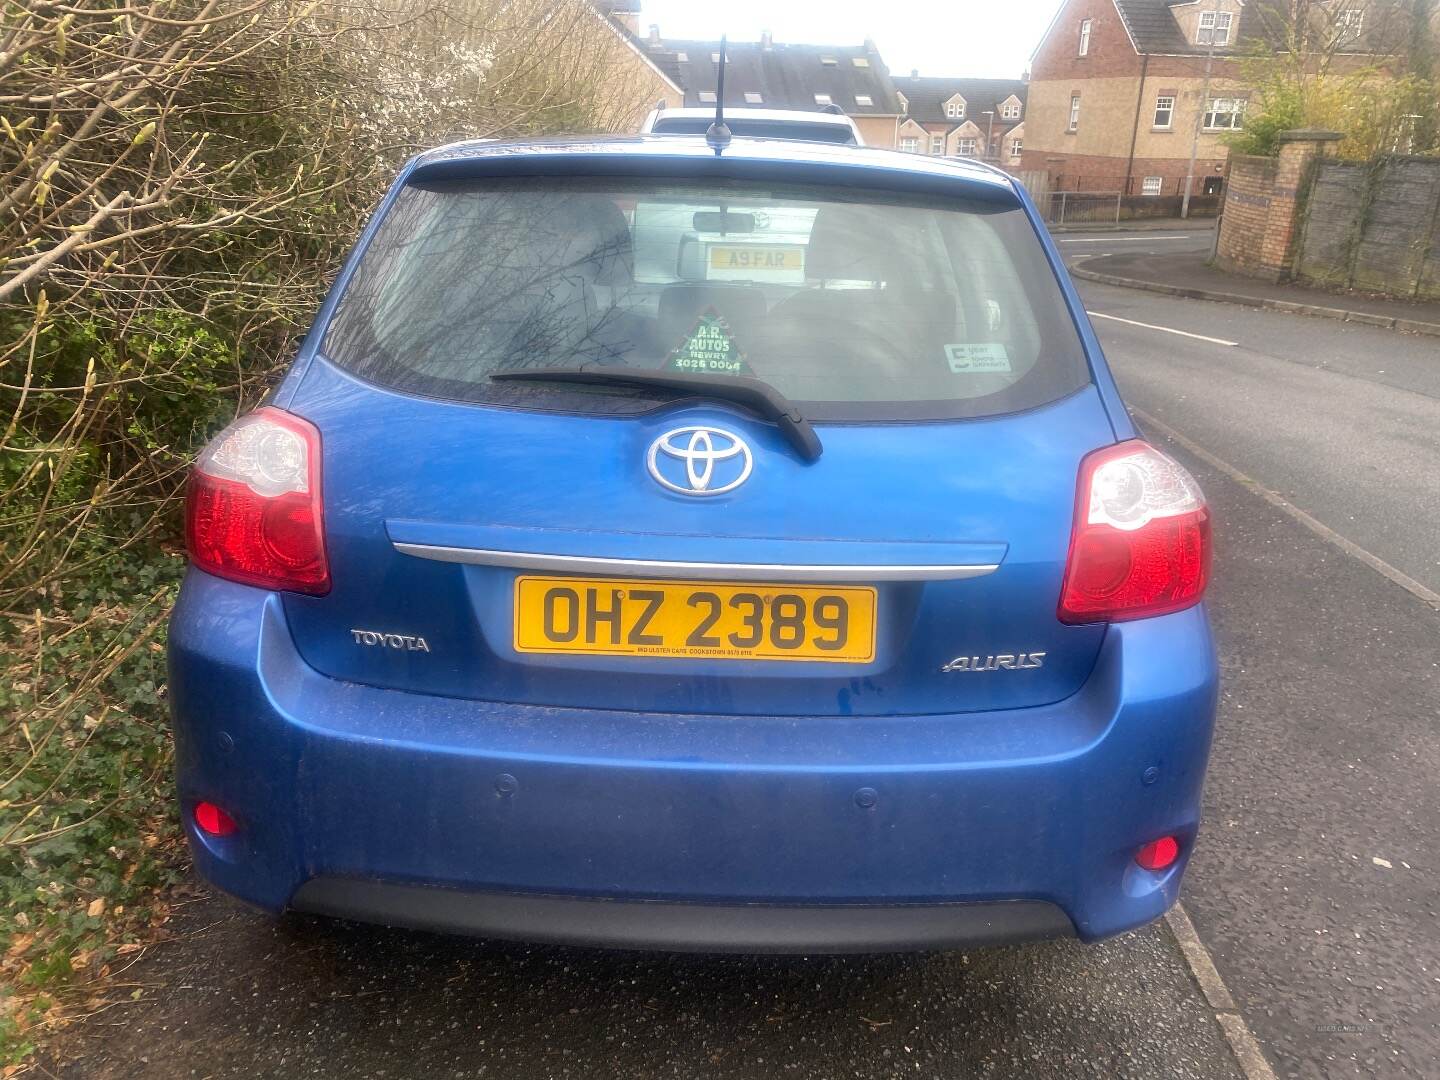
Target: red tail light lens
x,y
1141,542
253,509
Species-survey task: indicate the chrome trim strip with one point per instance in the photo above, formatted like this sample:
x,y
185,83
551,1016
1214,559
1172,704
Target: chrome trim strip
x,y
693,571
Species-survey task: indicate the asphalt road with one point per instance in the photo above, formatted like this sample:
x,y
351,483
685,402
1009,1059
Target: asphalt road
x,y
1316,885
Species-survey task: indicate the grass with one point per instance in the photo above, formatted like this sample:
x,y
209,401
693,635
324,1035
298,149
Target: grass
x,y
88,833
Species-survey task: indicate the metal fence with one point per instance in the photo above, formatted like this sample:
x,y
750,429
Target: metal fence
x,y
1078,207
1111,207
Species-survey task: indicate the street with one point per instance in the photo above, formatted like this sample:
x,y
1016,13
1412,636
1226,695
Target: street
x,y
1315,888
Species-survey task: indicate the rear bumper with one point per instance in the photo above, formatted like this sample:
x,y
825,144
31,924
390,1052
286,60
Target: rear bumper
x,y
685,927
688,831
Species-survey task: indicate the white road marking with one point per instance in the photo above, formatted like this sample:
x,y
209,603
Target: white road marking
x,y
1165,329
1243,1043
1118,239
1354,550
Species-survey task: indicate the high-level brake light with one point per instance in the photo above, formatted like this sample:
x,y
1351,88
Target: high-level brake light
x,y
1141,541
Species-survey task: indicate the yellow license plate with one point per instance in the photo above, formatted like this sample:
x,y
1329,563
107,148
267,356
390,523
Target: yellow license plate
x,y
694,618
756,257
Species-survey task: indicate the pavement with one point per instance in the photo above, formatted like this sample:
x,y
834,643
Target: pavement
x,y
1314,890
1137,261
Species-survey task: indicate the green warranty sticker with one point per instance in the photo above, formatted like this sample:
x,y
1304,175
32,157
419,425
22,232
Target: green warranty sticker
x,y
978,359
709,348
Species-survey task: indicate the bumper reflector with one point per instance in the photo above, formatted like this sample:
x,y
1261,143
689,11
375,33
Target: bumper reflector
x,y
1159,854
211,819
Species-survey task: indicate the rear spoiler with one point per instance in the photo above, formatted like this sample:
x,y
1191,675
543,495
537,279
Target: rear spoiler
x,y
681,159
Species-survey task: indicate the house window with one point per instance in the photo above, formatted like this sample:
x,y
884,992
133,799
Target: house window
x,y
910,144
1074,124
955,110
829,61
937,145
861,61
864,100
1225,114
1348,24
1214,28
965,147
1015,149
714,58
682,58
822,99
1151,185
707,97
752,98
1164,111
1084,49
1010,111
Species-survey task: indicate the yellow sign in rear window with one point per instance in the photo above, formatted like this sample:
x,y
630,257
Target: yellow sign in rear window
x,y
757,260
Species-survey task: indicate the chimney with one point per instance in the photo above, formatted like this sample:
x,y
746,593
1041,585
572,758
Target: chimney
x,y
628,18
914,73
654,33
767,42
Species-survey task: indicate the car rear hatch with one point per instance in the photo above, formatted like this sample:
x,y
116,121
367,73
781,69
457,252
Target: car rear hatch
x,y
629,548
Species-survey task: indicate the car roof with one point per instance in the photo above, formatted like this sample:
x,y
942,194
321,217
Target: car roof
x,y
691,155
805,116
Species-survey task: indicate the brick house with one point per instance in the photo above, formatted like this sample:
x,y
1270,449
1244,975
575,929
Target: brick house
x,y
1117,87
976,118
636,63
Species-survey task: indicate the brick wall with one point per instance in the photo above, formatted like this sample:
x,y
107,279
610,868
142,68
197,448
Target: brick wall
x,y
1260,226
1249,188
1101,172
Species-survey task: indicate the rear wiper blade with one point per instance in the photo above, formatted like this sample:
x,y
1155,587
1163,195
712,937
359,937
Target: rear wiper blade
x,y
760,397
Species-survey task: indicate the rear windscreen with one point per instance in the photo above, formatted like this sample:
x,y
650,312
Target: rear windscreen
x,y
859,306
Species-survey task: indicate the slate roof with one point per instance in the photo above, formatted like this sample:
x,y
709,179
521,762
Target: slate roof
x,y
927,97
785,76
1154,29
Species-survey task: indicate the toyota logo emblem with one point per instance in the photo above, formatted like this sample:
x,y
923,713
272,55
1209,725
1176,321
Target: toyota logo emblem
x,y
699,460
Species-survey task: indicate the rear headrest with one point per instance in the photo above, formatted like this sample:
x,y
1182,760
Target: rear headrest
x,y
855,243
600,228
741,306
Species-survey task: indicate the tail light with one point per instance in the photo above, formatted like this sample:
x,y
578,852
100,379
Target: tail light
x,y
253,510
1141,542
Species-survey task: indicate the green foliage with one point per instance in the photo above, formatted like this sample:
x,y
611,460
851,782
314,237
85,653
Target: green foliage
x,y
1384,102
1281,109
87,831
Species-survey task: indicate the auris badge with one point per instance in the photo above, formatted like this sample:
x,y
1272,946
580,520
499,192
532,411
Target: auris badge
x,y
699,460
1024,661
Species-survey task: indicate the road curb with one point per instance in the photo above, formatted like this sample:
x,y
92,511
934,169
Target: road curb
x,y
1387,322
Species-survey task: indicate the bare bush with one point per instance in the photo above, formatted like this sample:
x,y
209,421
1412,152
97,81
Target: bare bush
x,y
180,181
180,177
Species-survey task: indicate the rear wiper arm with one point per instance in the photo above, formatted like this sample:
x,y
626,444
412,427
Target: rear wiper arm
x,y
760,397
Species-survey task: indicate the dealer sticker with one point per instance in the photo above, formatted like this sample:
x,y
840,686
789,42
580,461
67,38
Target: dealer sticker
x,y
709,347
978,359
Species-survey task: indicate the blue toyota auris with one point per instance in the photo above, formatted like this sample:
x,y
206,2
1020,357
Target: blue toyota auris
x,y
657,546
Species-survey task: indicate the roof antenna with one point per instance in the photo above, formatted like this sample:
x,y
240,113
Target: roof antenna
x,y
719,134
